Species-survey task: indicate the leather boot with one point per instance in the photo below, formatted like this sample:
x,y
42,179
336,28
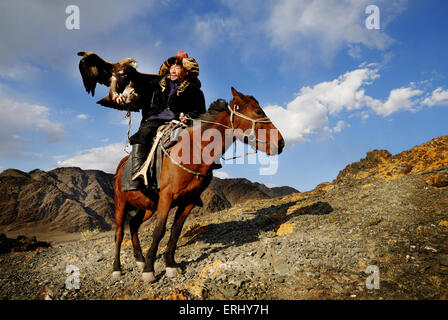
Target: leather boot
x,y
138,156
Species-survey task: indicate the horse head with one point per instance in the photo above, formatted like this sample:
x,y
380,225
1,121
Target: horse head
x,y
252,126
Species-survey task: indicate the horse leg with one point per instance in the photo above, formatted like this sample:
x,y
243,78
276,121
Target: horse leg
x,y
157,235
120,214
172,268
134,225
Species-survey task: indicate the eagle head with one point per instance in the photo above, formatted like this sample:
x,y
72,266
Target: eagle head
x,y
129,62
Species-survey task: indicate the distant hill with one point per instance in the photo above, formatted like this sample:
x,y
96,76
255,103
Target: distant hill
x,y
63,199
73,200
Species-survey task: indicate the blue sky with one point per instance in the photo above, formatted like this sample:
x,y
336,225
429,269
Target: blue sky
x,y
334,88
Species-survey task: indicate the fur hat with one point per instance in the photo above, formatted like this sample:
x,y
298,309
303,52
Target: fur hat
x,y
188,64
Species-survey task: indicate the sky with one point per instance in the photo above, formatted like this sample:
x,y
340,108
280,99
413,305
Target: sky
x,y
337,78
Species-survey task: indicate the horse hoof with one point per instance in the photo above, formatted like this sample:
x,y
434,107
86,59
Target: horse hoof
x,y
173,272
116,274
140,265
148,277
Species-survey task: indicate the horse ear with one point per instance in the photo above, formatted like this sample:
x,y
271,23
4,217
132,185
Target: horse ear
x,y
235,93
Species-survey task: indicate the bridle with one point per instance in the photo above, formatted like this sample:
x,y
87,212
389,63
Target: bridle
x,y
251,136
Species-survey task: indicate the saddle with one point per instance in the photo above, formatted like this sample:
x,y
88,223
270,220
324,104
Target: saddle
x,y
166,136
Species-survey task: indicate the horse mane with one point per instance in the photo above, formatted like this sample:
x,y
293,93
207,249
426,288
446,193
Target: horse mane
x,y
215,108
253,98
218,106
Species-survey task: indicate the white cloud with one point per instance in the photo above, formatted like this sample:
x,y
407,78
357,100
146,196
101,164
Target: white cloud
x,y
354,51
222,175
18,117
206,29
82,116
328,24
399,99
303,30
309,112
23,71
300,119
101,158
340,126
439,97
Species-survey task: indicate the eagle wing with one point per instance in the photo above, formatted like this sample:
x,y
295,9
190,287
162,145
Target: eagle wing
x,y
94,70
142,84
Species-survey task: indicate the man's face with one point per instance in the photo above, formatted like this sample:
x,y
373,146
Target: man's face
x,y
177,73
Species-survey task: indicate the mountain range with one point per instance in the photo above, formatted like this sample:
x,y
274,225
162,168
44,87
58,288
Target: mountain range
x,y
70,199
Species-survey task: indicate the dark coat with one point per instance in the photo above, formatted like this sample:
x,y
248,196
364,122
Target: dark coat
x,y
188,99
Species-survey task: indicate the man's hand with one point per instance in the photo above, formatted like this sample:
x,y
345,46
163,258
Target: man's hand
x,y
120,99
182,118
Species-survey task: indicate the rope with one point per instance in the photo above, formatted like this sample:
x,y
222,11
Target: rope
x,y
240,156
128,143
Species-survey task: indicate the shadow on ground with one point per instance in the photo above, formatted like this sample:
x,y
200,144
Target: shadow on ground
x,y
264,222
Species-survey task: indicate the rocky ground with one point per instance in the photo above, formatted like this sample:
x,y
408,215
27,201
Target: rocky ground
x,y
312,245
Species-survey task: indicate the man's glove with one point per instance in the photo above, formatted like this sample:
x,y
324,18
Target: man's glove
x,y
126,97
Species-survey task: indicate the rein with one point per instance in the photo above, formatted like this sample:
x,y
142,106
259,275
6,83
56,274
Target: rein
x,y
128,142
196,174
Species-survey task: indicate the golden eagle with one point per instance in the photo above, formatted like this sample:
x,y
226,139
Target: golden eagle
x,y
127,85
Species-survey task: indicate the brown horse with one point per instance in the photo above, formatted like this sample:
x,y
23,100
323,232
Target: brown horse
x,y
183,178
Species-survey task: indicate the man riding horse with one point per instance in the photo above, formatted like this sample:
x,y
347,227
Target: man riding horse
x,y
176,96
174,93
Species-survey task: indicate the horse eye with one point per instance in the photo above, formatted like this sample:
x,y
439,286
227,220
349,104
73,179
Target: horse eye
x,y
259,112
